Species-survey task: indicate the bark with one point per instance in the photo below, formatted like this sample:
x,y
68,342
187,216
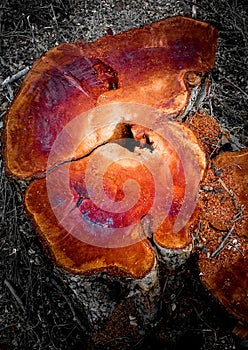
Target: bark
x,y
116,307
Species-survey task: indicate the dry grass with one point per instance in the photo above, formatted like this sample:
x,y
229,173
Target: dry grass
x,y
34,313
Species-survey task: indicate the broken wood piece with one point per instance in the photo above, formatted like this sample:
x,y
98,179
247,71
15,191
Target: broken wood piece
x,y
225,270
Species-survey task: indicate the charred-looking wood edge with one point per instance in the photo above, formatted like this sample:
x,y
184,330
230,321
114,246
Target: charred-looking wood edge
x,y
174,258
100,294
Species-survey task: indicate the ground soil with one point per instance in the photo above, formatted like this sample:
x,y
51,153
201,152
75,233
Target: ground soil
x,y
34,308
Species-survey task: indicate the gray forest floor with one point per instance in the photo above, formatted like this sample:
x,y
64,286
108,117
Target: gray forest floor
x,y
34,313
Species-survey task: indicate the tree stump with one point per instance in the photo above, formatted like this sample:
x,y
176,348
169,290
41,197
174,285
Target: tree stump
x,y
97,136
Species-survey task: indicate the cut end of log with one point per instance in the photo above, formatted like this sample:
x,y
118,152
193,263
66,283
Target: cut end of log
x,y
167,60
76,256
100,209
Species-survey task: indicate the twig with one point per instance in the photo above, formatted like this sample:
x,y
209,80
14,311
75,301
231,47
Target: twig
x,y
235,86
11,94
32,33
11,79
223,243
15,295
194,10
230,192
239,215
201,319
236,248
225,187
69,304
162,295
54,15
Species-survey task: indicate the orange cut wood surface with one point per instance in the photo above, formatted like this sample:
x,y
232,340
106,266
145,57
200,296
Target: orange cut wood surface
x,y
157,66
76,211
76,256
146,65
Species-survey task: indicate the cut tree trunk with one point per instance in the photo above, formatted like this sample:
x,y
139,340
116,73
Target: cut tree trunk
x,y
111,174
113,275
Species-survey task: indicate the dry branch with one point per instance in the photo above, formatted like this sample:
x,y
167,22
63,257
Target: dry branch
x,y
15,295
18,75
